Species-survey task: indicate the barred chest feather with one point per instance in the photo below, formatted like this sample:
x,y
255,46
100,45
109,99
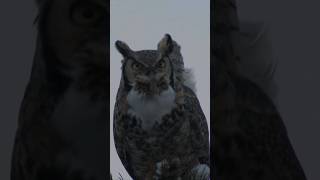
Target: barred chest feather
x,y
151,110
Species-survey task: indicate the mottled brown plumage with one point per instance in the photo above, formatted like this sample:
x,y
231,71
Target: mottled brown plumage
x,y
175,143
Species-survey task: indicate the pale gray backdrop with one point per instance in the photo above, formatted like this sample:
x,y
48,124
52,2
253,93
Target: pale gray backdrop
x,y
295,29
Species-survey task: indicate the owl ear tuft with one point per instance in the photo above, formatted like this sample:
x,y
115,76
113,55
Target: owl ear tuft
x,y
123,48
165,45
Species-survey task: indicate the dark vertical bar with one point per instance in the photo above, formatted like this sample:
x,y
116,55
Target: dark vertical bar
x,y
251,141
108,175
212,91
63,117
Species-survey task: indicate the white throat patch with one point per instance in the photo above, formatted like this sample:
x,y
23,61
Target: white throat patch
x,y
151,109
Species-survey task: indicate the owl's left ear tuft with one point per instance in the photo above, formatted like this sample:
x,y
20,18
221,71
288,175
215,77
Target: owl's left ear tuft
x,y
165,45
123,48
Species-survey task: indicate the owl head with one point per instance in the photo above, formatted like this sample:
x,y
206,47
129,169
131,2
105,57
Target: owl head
x,y
149,72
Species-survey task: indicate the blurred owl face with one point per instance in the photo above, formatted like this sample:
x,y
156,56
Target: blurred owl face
x,y
148,74
77,31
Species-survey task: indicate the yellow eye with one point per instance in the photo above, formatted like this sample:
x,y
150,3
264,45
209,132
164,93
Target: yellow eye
x,y
136,66
161,64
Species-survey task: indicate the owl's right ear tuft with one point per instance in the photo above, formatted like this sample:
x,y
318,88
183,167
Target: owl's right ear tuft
x,y
165,45
123,48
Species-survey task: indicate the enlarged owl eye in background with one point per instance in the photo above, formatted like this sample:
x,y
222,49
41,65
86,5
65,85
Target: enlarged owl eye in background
x,y
86,13
161,64
136,66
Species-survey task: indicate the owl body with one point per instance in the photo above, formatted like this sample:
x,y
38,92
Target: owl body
x,y
160,130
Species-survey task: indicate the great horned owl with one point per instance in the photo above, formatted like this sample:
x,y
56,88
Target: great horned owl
x,y
62,120
160,130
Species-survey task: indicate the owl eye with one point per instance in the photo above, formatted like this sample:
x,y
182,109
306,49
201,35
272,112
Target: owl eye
x,y
86,13
136,66
161,64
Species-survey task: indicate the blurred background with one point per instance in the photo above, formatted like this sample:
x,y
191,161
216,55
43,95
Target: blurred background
x,y
17,44
293,28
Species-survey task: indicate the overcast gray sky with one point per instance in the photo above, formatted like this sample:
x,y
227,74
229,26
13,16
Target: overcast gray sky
x,y
141,24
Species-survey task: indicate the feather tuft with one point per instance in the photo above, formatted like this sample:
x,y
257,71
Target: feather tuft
x,y
189,79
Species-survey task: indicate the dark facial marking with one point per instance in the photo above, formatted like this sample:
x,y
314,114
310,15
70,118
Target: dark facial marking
x,y
161,64
87,13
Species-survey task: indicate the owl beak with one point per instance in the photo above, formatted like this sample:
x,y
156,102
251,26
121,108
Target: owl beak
x,y
152,83
153,89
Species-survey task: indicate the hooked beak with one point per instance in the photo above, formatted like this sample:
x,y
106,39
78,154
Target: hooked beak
x,y
153,85
149,84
